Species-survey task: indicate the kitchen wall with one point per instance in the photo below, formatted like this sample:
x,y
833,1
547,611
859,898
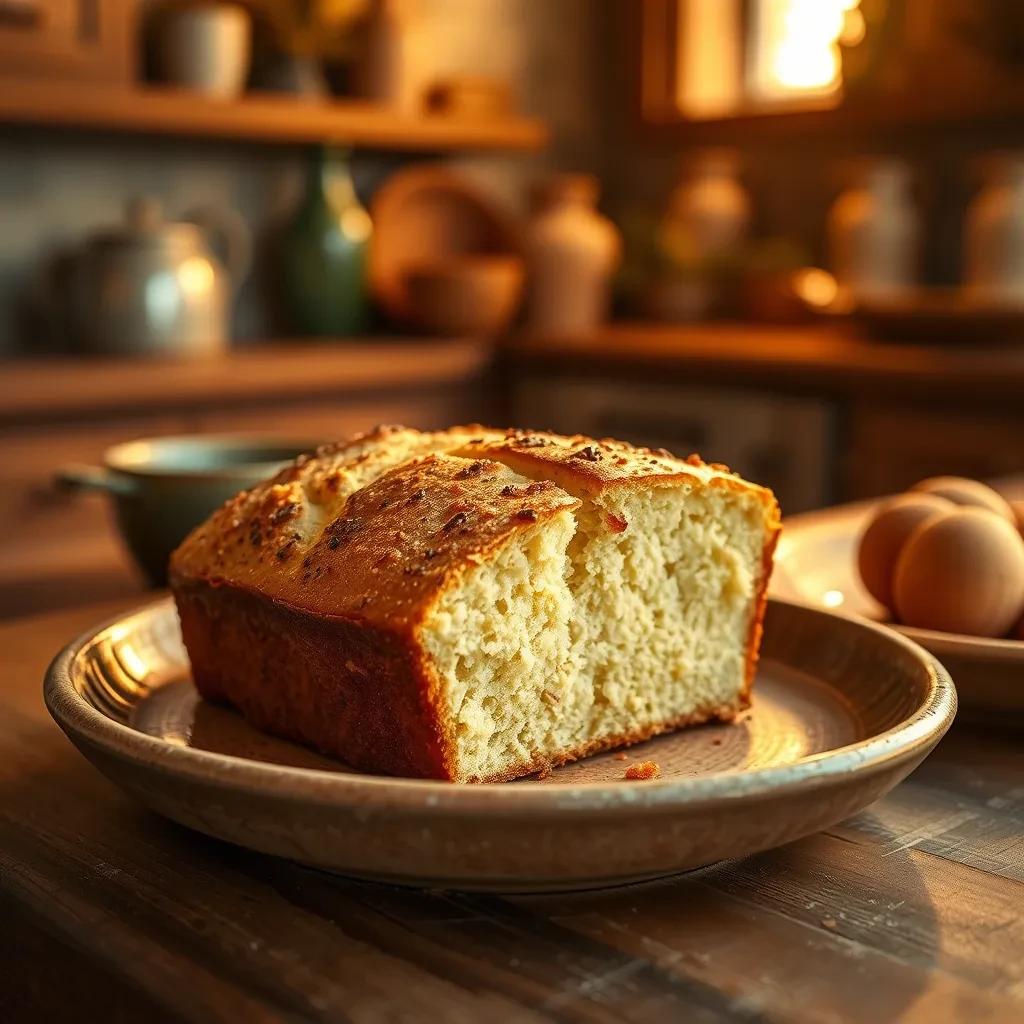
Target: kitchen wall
x,y
56,186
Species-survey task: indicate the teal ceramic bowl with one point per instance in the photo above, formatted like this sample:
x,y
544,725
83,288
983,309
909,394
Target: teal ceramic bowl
x,y
162,487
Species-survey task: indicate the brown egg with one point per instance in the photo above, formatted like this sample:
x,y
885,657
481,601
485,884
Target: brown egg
x,y
962,572
1018,511
963,491
882,541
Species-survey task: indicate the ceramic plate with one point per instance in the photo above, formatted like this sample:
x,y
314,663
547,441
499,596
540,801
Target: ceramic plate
x,y
815,563
843,710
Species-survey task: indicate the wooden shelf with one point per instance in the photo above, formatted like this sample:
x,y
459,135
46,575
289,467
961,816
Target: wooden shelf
x,y
263,118
46,390
928,111
819,358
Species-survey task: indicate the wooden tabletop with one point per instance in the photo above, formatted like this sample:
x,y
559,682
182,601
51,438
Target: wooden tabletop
x,y
911,911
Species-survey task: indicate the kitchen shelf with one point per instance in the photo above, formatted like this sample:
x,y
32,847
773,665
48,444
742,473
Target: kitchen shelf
x,y
904,115
262,118
65,388
819,358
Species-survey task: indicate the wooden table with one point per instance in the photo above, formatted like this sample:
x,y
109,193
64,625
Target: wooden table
x,y
912,911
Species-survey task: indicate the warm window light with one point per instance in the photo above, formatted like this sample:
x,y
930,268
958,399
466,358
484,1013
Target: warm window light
x,y
791,52
711,59
795,49
854,28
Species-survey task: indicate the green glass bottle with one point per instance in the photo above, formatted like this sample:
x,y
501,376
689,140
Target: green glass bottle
x,y
325,249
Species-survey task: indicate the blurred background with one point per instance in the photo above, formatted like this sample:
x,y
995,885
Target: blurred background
x,y
787,234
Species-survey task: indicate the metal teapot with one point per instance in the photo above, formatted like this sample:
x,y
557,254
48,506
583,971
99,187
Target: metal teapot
x,y
152,287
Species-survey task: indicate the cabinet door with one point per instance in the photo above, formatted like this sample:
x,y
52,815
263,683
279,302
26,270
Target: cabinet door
x,y
891,447
55,39
59,549
35,514
785,443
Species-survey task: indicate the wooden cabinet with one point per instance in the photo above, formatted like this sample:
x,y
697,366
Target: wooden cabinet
x,y
62,39
821,415
892,445
782,441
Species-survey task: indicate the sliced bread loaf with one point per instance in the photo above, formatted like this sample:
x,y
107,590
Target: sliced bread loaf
x,y
476,605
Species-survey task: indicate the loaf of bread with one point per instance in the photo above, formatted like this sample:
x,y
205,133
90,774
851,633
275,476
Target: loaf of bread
x,y
477,605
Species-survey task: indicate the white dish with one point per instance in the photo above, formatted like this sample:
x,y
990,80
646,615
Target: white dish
x,y
815,564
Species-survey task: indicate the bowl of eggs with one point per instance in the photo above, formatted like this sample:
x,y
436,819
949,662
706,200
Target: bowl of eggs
x,y
942,563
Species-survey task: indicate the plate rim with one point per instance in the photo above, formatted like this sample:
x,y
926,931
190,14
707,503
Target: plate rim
x,y
85,724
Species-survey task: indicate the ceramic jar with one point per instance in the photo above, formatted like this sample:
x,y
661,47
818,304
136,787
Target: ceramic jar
x,y
873,233
207,48
324,251
709,207
994,234
389,70
572,253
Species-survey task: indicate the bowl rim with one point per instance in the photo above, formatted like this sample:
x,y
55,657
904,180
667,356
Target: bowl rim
x,y
126,457
907,740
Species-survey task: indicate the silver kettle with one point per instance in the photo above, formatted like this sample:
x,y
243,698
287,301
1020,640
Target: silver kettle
x,y
152,287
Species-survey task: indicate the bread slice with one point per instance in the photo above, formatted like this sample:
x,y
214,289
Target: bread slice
x,y
476,605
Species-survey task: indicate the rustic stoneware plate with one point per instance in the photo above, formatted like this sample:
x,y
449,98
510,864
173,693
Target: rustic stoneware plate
x,y
816,564
842,711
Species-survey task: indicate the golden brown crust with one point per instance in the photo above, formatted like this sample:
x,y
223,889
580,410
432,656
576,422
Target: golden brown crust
x,y
351,690
395,547
581,463
277,538
774,527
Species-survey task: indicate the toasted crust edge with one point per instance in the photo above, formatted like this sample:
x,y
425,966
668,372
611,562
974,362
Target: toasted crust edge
x,y
351,690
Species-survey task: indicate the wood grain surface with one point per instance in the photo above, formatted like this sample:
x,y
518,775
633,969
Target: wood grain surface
x,y
911,911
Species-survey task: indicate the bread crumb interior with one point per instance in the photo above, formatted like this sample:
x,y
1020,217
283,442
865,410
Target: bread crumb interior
x,y
622,619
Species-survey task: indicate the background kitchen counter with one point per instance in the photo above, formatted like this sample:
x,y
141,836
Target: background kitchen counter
x,y
57,549
821,414
806,358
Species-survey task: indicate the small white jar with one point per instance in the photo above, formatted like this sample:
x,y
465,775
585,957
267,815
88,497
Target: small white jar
x,y
873,233
994,234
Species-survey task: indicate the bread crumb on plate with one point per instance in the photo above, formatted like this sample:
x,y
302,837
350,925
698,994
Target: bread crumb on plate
x,y
643,770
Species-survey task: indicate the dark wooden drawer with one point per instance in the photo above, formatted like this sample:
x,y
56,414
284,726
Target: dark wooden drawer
x,y
890,447
784,442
